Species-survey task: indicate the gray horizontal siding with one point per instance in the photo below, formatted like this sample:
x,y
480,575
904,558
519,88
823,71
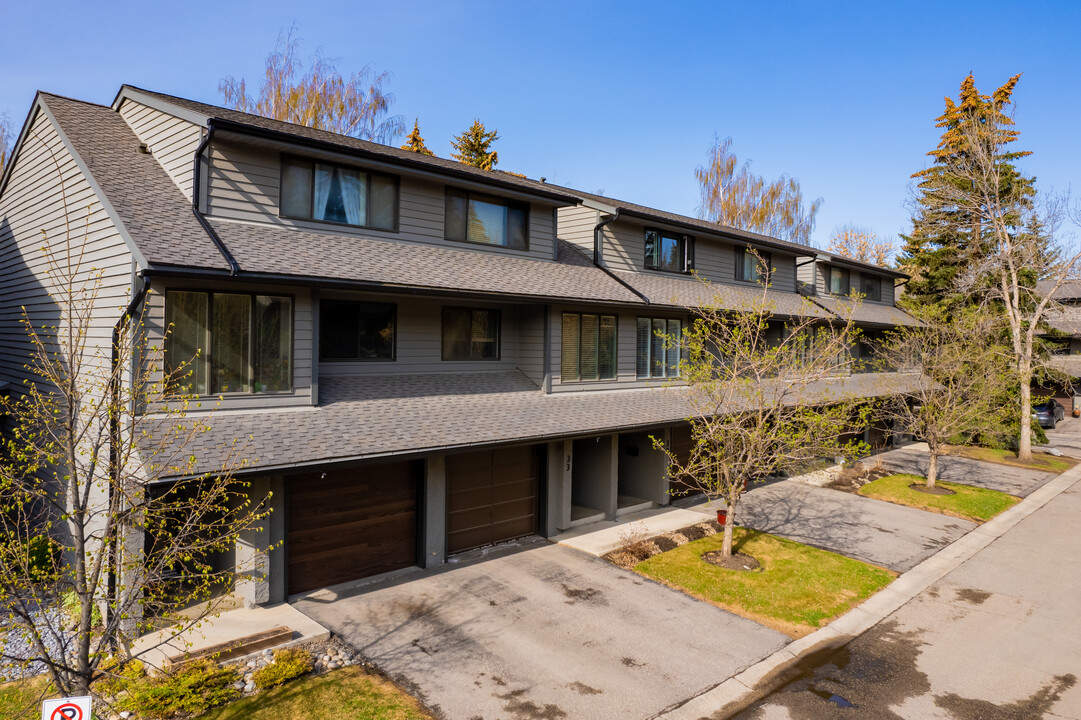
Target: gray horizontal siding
x,y
44,180
154,320
854,276
172,141
420,339
576,226
243,184
714,258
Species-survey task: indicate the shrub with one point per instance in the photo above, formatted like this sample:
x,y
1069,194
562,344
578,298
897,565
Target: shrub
x,y
192,689
116,675
71,605
288,664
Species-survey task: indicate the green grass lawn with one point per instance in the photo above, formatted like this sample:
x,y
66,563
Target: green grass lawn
x,y
346,693
970,503
797,589
1040,461
22,698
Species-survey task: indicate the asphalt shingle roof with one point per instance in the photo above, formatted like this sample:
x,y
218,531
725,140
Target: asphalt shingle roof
x,y
690,292
372,416
152,208
868,313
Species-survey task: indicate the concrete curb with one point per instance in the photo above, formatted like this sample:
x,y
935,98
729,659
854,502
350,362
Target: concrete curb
x,y
758,680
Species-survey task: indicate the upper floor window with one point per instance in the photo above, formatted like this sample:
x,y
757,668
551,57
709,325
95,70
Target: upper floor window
x,y
228,342
482,219
470,334
332,193
668,251
588,351
871,287
356,331
753,266
838,281
658,348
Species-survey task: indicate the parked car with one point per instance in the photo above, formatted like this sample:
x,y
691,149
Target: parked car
x,y
1048,412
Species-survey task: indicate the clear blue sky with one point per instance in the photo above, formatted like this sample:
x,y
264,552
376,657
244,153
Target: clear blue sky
x,y
620,97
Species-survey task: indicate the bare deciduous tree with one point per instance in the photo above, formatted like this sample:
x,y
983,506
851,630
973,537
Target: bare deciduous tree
x,y
766,397
100,541
320,97
7,141
861,244
1021,248
734,196
957,370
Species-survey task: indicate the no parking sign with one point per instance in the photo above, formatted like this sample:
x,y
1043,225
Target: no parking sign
x,y
73,708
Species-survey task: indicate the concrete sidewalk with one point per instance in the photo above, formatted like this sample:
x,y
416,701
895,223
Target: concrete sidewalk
x,y
757,681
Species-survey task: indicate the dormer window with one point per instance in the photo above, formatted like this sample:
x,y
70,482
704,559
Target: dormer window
x,y
471,217
871,287
338,194
668,251
753,266
838,281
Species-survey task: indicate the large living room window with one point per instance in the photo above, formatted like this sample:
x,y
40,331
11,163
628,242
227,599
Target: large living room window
x,y
338,194
653,359
352,331
475,218
228,342
668,251
470,334
588,348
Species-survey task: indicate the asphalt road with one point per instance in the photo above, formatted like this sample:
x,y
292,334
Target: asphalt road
x,y
999,638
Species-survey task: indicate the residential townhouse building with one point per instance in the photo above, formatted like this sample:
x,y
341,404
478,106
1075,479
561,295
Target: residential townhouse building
x,y
418,357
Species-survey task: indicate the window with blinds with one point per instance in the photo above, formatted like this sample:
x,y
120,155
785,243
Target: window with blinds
x,y
588,348
658,352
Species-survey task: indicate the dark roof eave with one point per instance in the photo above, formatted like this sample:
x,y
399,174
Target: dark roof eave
x,y
253,130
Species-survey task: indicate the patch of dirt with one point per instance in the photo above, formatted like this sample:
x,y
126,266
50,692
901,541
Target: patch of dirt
x,y
971,595
936,490
738,561
637,548
851,479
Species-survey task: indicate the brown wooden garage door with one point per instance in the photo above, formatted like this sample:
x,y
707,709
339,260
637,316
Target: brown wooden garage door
x,y
491,497
349,524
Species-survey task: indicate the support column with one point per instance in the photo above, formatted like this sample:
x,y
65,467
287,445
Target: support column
x,y
434,533
261,574
560,473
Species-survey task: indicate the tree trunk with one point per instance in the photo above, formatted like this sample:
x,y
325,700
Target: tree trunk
x,y
932,467
1024,439
729,524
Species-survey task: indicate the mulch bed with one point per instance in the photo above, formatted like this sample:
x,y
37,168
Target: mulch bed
x,y
936,490
738,561
635,549
851,479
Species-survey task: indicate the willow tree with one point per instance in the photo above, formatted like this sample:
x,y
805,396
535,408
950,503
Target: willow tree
x,y
734,196
109,525
766,395
319,96
861,244
474,146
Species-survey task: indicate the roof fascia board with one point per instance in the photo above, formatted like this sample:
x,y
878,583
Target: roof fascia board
x,y
140,259
722,233
368,156
129,93
602,207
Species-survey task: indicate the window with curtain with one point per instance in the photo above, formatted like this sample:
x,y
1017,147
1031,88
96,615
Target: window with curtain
x,y
838,281
670,252
471,217
228,342
751,267
470,334
338,194
655,357
588,349
352,331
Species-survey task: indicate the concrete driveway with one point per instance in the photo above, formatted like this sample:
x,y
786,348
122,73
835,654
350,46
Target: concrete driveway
x,y
542,632
882,533
1007,479
1066,437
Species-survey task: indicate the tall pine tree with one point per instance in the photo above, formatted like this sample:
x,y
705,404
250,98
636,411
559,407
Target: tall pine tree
x,y
472,147
415,142
948,237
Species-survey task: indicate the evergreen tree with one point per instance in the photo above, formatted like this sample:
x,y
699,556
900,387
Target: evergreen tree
x,y
949,237
415,142
472,147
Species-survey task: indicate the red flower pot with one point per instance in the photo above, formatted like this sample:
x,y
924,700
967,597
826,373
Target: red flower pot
x,y
722,517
